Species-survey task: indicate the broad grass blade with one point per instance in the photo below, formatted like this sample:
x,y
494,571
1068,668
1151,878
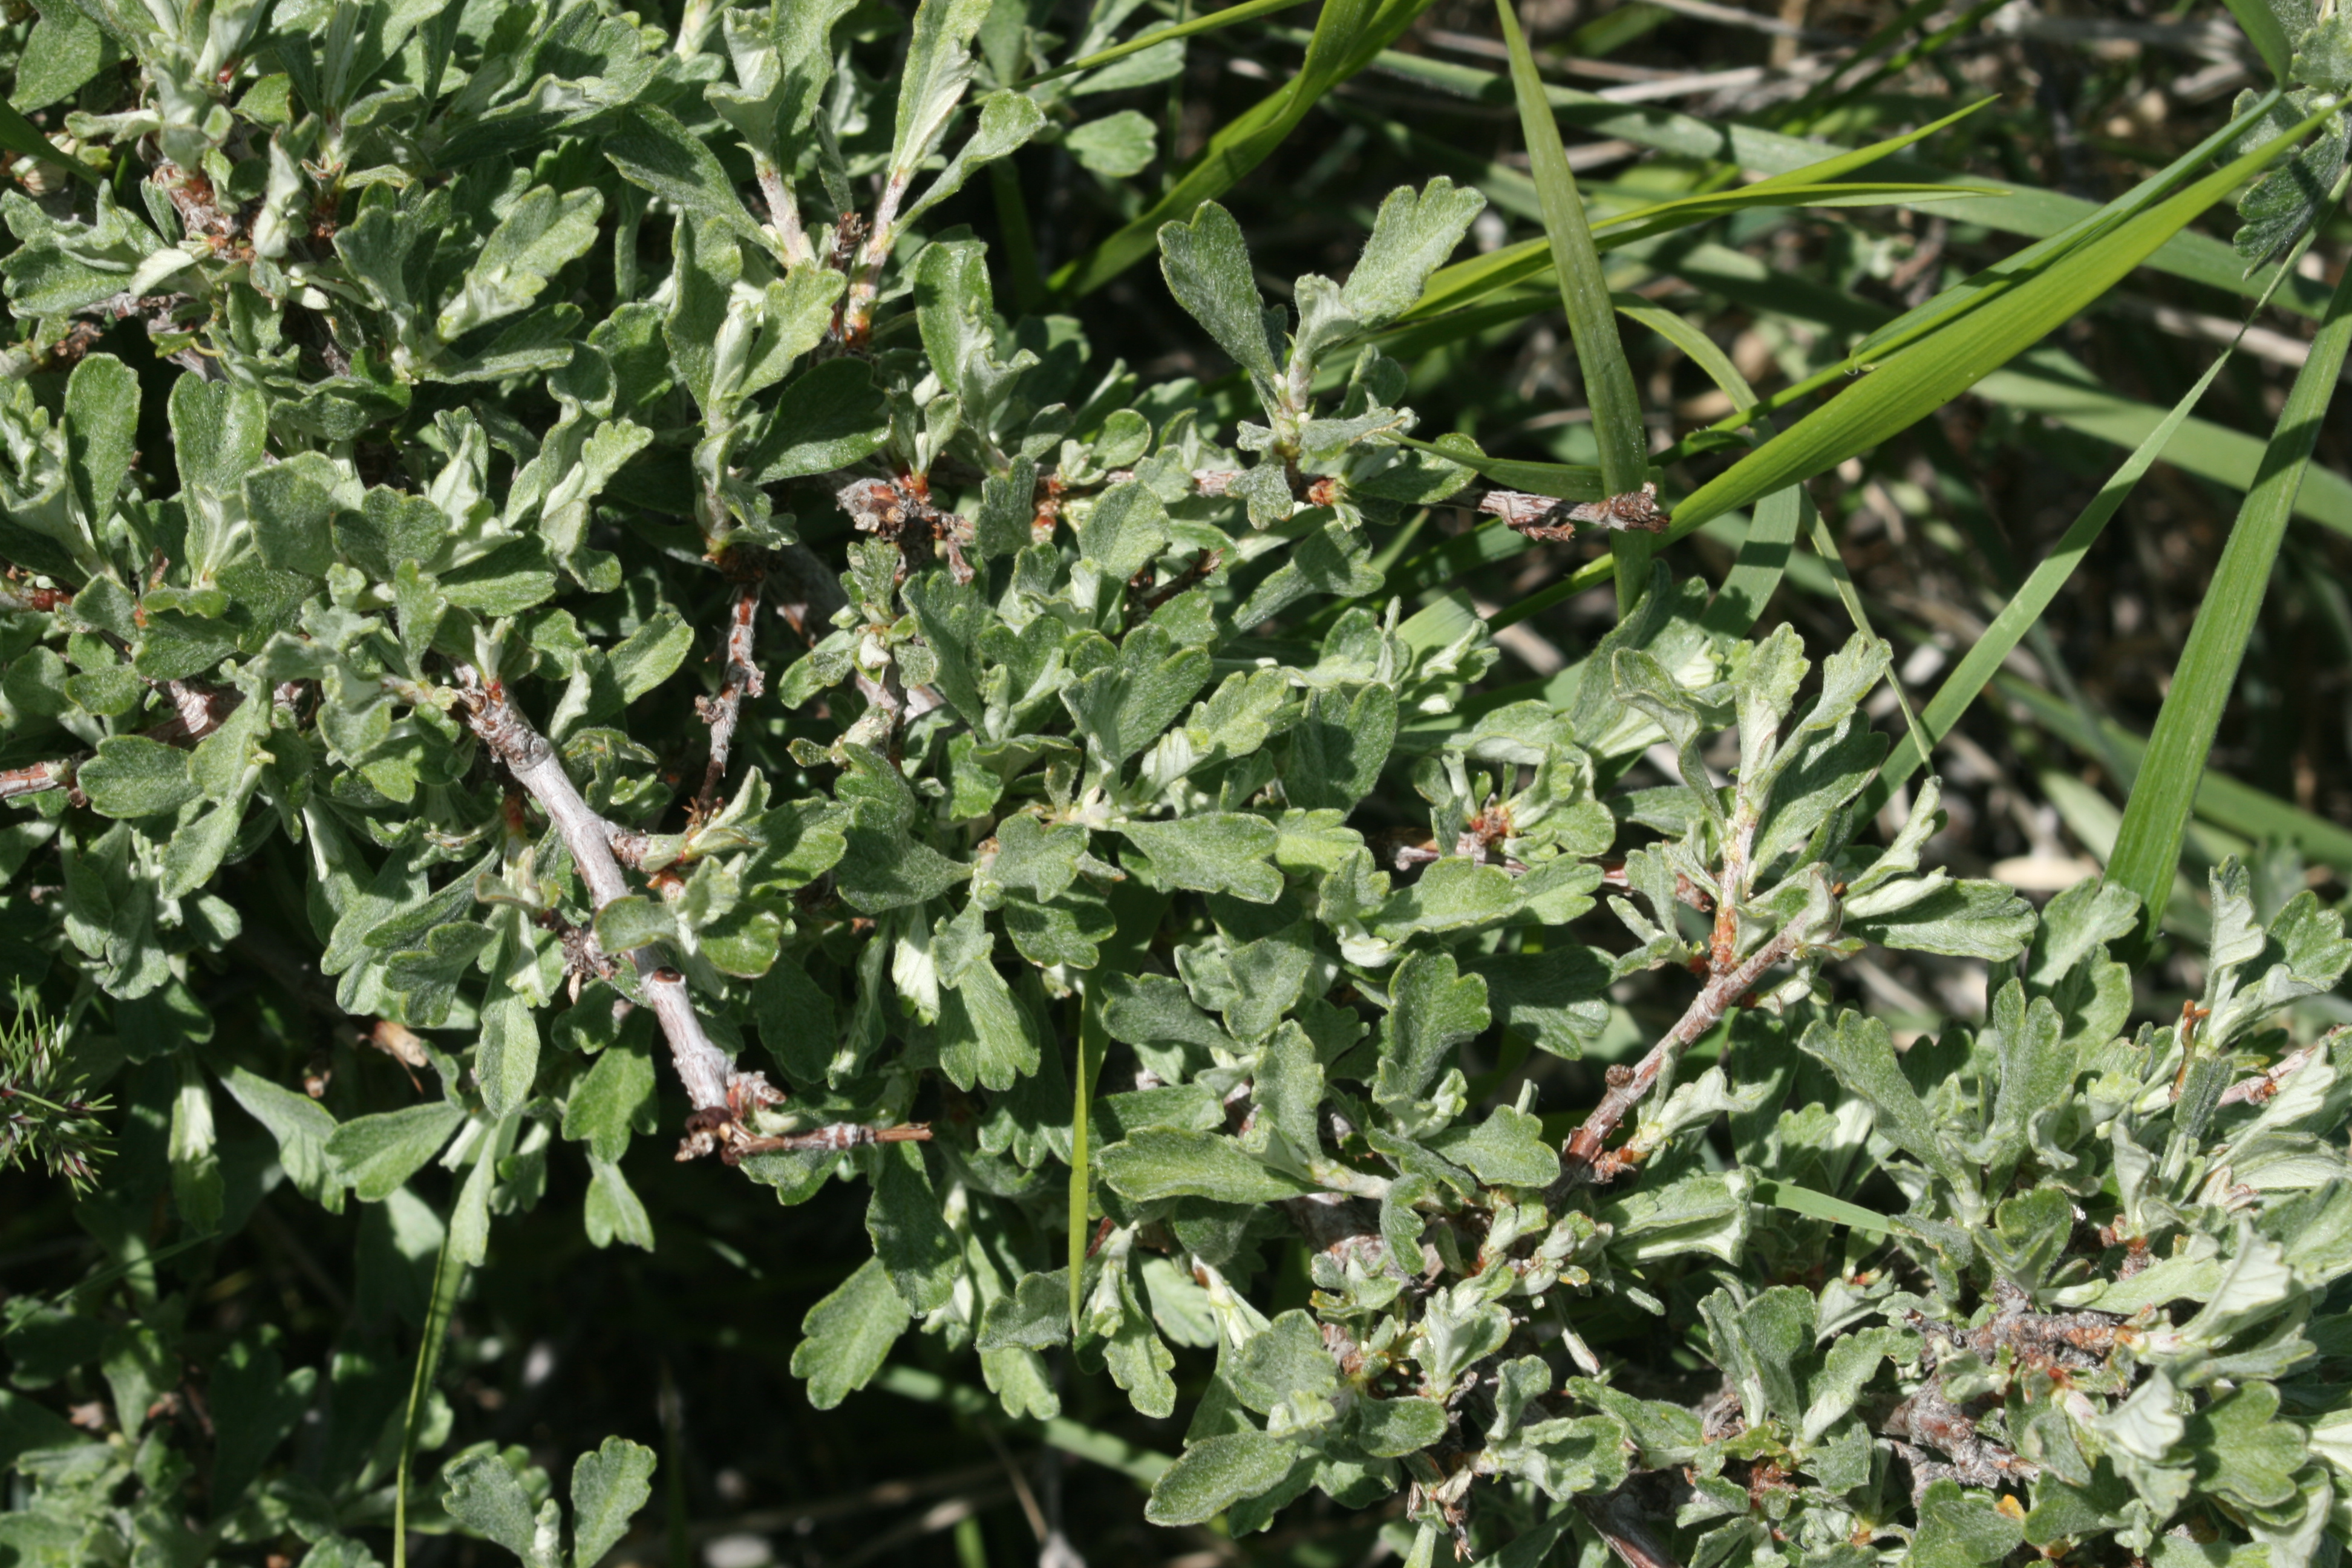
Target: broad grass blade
x,y
1937,368
1591,319
2147,847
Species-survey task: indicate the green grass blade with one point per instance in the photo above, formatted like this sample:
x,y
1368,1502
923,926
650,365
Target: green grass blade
x,y
2221,800
1975,291
2263,30
1347,37
448,1277
1562,481
1932,372
1085,1066
2026,210
1249,10
1452,287
2027,607
1791,1198
1616,408
22,137
2148,847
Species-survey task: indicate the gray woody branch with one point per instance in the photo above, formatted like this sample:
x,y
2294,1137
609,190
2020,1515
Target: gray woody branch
x,y
702,1067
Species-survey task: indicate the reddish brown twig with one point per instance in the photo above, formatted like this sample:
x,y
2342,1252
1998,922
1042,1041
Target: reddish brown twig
x,y
1583,1157
1548,517
839,1138
1618,1521
36,778
2260,1089
740,679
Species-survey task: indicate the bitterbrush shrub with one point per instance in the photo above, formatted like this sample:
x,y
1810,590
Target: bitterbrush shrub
x,y
1054,785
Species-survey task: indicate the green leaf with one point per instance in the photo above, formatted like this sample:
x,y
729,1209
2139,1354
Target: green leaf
x,y
101,430
2147,845
1217,1472
255,1403
543,233
651,148
375,1154
1412,234
608,1487
849,1333
1508,1149
1216,852
2263,30
829,417
302,1126
1861,1052
134,776
938,69
1171,1161
484,1496
1207,265
610,1102
1433,1009
1117,146
1961,1530
910,1238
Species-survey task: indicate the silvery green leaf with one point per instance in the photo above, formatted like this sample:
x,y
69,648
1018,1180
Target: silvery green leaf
x,y
938,67
301,1126
609,1485
1167,1162
847,1334
610,1102
375,1154
1208,268
1701,1212
1433,1008
909,1236
1215,1472
482,1493
1861,1052
1117,146
1221,852
539,234
1508,1149
1412,238
1005,122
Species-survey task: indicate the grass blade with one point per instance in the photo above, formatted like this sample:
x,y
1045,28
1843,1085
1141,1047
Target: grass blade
x,y
22,137
2263,30
2148,847
1249,10
448,1277
1791,1198
1347,36
1085,1066
2026,210
2027,605
1592,319
2221,800
1933,371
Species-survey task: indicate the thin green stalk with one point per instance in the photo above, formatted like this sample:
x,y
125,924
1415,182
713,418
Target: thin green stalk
x,y
448,1277
1825,546
1592,319
2147,847
1093,1044
1020,267
1185,26
1966,22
